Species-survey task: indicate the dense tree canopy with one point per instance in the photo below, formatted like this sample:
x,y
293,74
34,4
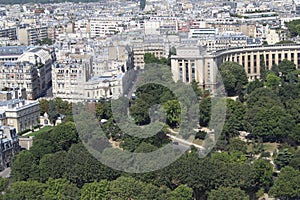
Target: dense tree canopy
x,y
224,193
293,27
234,77
287,186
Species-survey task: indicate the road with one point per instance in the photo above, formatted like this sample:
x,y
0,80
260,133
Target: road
x,y
5,173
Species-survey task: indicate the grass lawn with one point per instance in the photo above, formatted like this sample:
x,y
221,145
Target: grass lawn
x,y
270,147
197,141
44,129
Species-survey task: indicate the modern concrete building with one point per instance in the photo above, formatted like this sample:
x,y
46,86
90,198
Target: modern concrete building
x,y
10,33
31,35
106,26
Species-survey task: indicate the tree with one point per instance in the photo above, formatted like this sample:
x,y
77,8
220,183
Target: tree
x,y
273,81
271,124
42,147
52,165
253,85
283,158
263,98
287,185
82,167
103,110
23,166
295,161
235,114
95,190
3,184
53,113
204,111
44,106
234,77
224,193
145,148
27,190
237,145
60,189
262,174
64,135
285,67
293,27
196,88
173,111
130,188
182,192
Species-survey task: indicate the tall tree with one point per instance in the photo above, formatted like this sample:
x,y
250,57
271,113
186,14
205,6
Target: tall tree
x,y
234,78
60,189
95,190
287,185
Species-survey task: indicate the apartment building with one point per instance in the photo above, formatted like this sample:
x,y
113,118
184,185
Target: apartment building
x,y
9,146
28,68
105,26
70,75
161,25
21,75
20,113
31,35
42,60
10,33
72,81
157,47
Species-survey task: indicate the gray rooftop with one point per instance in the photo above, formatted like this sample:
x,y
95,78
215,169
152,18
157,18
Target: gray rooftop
x,y
12,50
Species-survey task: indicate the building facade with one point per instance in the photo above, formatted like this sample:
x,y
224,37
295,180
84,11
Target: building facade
x,y
194,63
20,114
20,75
28,68
31,35
9,145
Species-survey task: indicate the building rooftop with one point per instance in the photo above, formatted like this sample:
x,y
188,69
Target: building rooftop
x,y
12,50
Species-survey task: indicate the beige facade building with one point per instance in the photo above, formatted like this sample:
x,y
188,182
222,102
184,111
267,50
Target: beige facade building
x,y
195,63
28,68
31,35
20,114
140,49
73,82
20,75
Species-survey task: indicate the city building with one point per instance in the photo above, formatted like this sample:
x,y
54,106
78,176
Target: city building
x,y
195,63
28,68
22,75
20,113
10,33
31,35
9,146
